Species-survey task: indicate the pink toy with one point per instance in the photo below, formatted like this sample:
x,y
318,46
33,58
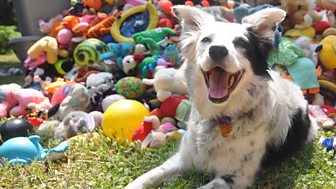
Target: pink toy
x,y
34,62
84,24
64,36
19,101
132,3
166,128
61,94
48,27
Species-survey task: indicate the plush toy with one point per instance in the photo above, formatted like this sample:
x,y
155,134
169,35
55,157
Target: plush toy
x,y
47,45
300,69
103,27
88,52
321,117
49,26
308,46
24,150
326,56
96,4
326,52
149,123
329,143
151,133
152,38
116,53
127,22
74,123
18,101
244,9
303,19
76,100
168,81
99,85
131,87
176,106
111,99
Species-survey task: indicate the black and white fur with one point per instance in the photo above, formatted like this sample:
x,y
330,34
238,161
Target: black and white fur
x,y
268,113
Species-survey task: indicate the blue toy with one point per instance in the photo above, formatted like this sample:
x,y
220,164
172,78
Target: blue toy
x,y
329,143
23,150
116,53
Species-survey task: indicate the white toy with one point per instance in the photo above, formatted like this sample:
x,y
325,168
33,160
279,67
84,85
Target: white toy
x,y
168,81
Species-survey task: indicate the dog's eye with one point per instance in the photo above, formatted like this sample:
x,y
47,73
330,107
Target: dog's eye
x,y
206,40
239,42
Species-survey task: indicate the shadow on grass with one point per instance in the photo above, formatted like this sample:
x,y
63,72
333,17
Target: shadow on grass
x,y
286,173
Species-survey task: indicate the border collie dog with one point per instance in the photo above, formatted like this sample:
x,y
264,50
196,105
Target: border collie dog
x,y
242,113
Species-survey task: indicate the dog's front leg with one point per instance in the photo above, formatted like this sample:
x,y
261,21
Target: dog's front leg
x,y
168,170
216,183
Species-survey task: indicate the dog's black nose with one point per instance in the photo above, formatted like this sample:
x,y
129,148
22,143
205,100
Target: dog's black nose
x,y
217,52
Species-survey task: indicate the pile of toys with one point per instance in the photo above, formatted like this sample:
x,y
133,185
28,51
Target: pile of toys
x,y
115,66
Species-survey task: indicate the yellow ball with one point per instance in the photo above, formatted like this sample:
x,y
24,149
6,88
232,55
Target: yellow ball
x,y
121,119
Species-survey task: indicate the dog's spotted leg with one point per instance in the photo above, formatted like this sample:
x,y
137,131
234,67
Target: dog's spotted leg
x,y
168,170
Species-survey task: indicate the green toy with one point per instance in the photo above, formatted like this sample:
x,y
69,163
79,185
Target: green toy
x,y
154,37
290,58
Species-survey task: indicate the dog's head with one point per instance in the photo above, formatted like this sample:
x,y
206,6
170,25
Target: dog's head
x,y
223,58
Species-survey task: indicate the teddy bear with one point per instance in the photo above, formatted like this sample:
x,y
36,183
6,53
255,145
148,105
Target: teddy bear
x,y
19,101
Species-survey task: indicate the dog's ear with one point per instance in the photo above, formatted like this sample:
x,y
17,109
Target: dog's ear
x,y
264,21
192,18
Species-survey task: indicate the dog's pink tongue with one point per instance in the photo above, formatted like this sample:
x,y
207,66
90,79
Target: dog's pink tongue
x,y
218,83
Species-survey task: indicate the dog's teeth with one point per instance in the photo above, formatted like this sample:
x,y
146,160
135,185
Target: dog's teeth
x,y
231,80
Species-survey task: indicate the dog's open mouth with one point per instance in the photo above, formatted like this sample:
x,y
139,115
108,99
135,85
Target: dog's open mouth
x,y
221,83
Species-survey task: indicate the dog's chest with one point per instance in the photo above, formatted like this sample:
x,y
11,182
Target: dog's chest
x,y
219,153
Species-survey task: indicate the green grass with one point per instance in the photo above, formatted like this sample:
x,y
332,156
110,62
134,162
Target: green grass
x,y
105,164
7,61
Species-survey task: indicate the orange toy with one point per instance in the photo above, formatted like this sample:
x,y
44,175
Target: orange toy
x,y
103,27
96,4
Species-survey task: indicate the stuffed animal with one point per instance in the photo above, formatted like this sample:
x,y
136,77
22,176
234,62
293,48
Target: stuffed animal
x,y
326,52
19,101
167,81
103,27
329,143
300,14
49,26
116,53
74,123
24,150
76,100
47,45
99,85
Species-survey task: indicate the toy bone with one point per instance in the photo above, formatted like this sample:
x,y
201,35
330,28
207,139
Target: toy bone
x,y
24,150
